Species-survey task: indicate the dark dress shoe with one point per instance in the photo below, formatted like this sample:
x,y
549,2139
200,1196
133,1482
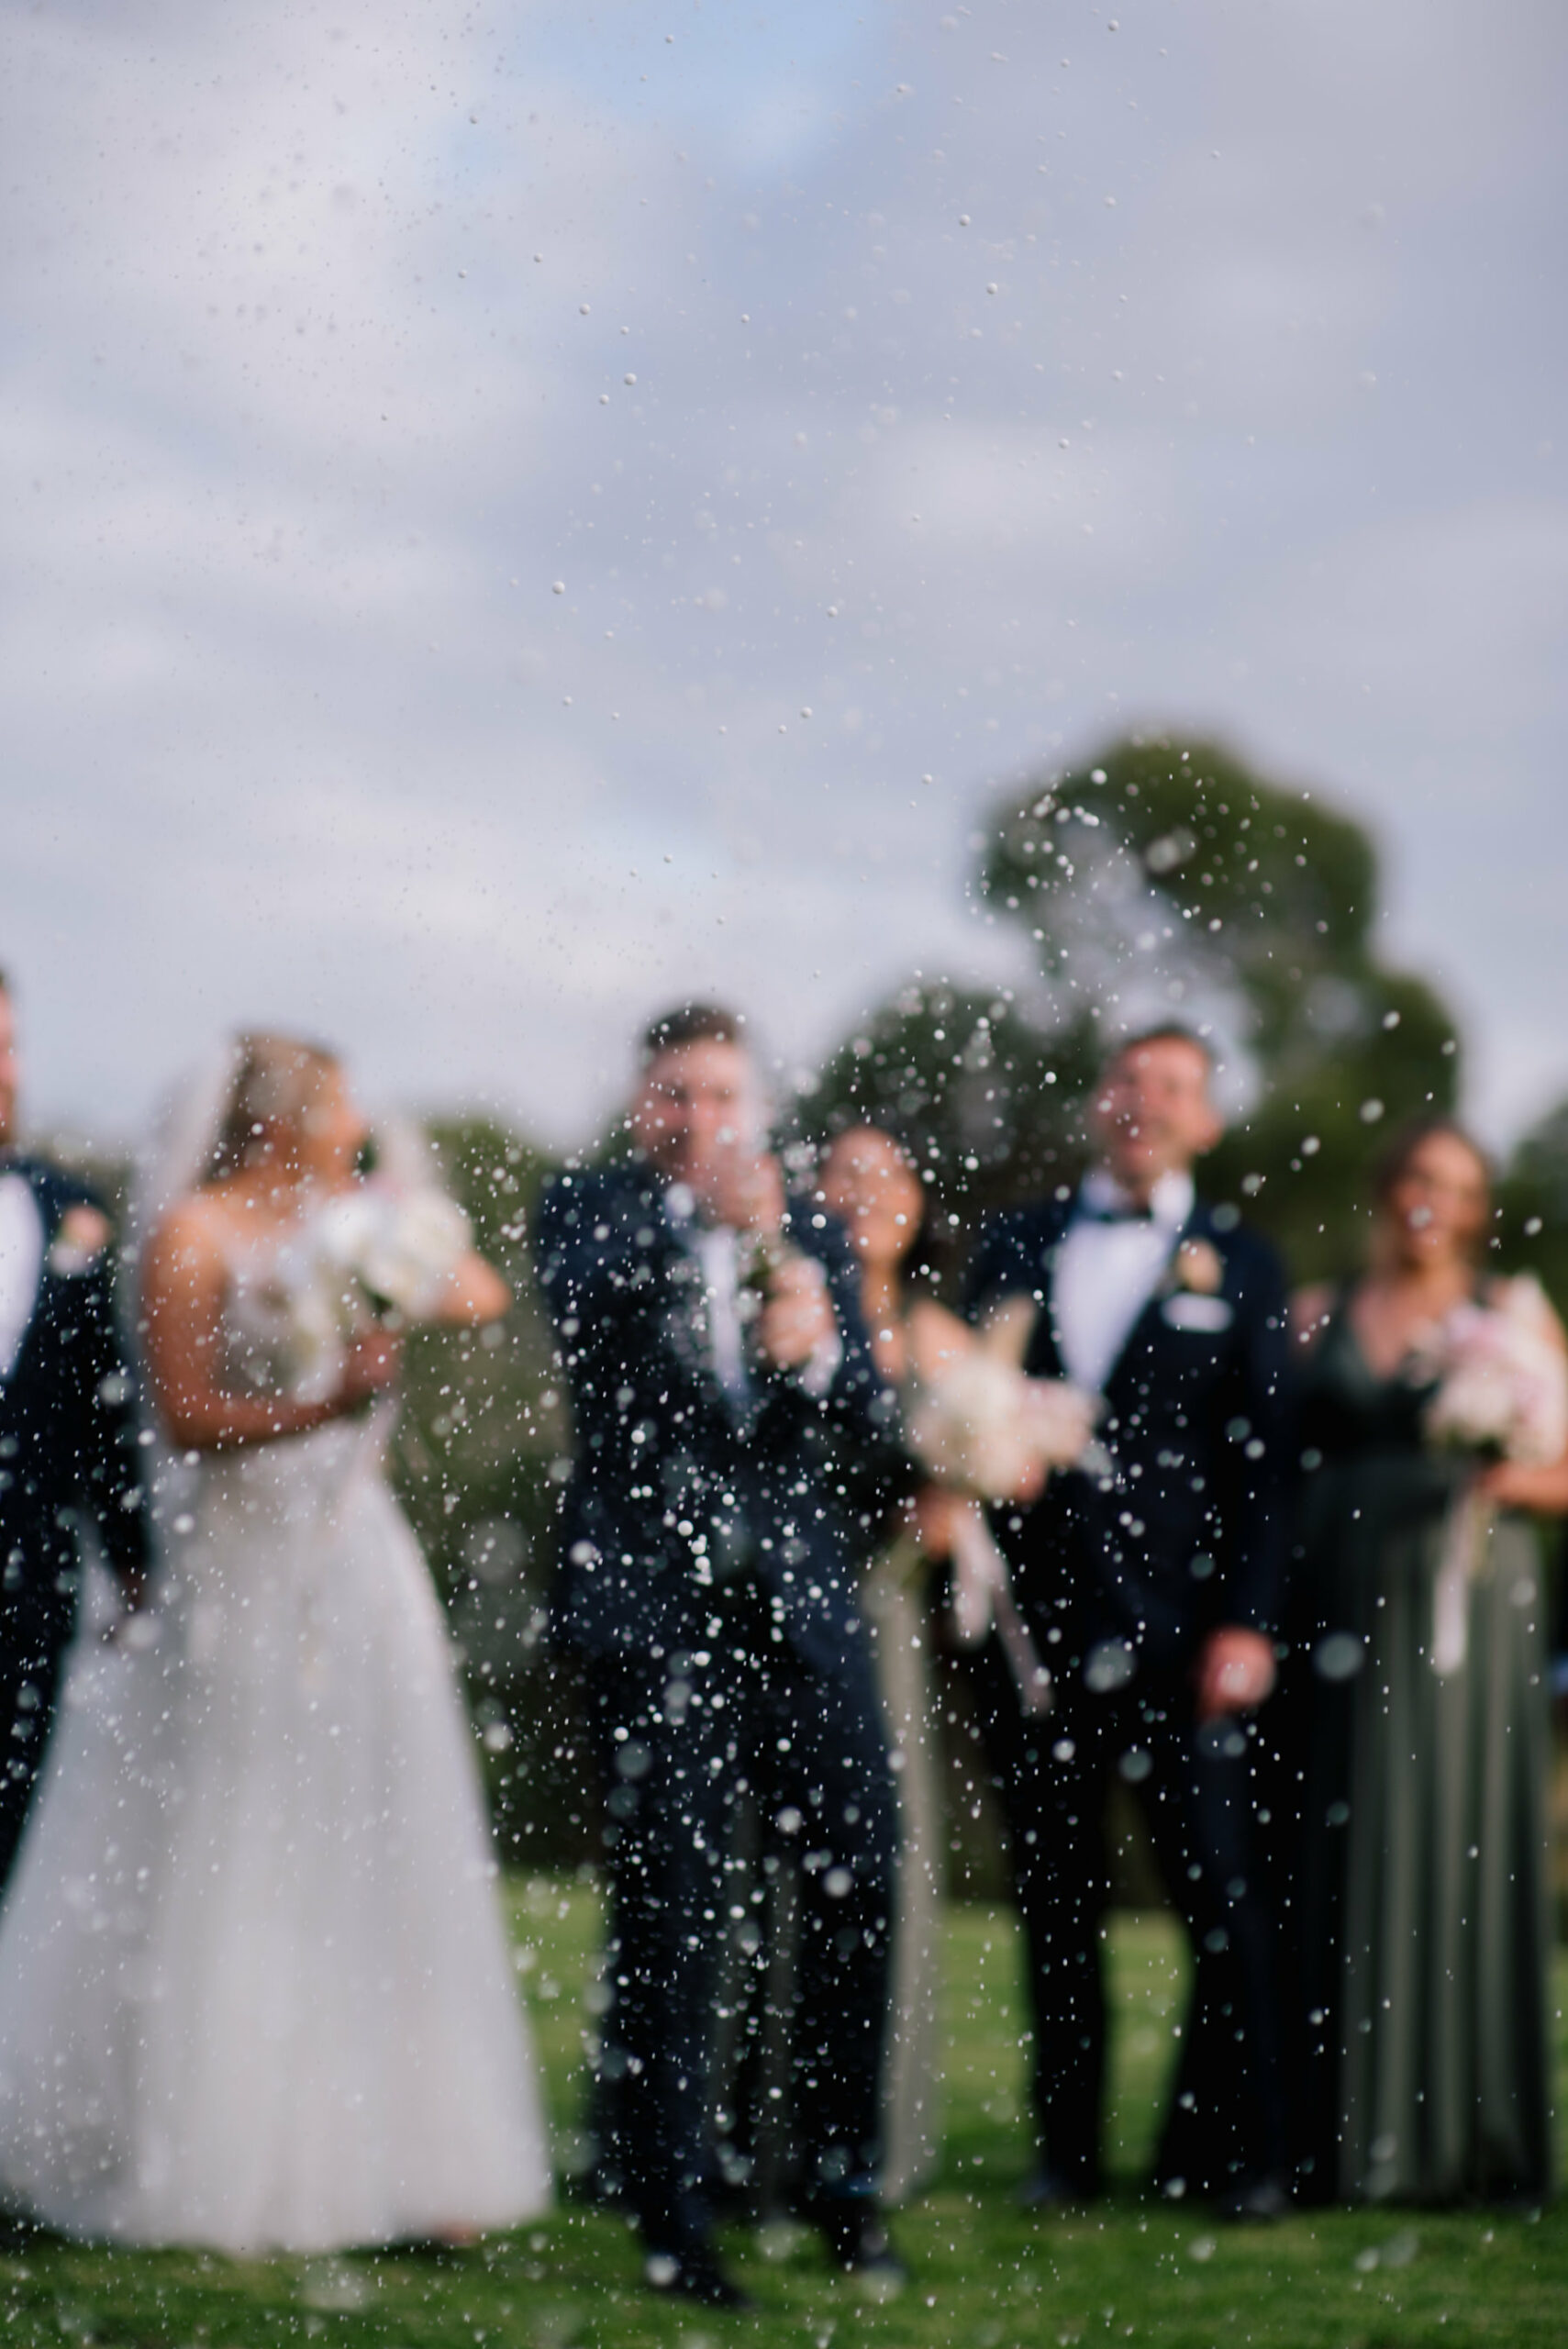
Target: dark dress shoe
x,y
1258,2201
694,2274
856,2240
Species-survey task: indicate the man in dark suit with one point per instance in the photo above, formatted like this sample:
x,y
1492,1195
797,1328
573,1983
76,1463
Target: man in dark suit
x,y
1150,1581
722,1390
68,1437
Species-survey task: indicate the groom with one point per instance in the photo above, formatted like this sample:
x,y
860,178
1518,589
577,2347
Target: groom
x,y
722,1386
1151,1587
67,1437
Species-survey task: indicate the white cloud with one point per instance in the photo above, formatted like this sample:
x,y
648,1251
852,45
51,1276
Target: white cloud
x,y
289,405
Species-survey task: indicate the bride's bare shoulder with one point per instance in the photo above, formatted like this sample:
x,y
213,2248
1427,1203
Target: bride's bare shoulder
x,y
196,1231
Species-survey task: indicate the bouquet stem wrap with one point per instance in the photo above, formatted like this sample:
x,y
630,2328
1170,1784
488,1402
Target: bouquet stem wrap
x,y
1465,1531
983,1596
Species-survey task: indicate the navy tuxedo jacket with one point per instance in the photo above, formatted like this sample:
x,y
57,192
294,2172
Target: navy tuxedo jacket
x,y
675,1488
1192,1530
68,1427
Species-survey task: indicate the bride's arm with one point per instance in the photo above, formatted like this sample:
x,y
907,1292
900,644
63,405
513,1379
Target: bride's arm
x,y
474,1293
182,1339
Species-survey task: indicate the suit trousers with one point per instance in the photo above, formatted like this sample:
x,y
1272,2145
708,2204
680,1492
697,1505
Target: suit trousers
x,y
1195,1786
680,1741
36,1631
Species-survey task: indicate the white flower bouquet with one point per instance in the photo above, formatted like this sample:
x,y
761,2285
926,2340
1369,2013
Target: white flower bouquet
x,y
982,1426
1502,1378
370,1254
987,1433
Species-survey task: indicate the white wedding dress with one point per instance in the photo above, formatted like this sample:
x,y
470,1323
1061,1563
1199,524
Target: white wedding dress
x,y
254,1988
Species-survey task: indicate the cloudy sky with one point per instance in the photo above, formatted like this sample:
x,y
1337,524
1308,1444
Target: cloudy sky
x,y
517,511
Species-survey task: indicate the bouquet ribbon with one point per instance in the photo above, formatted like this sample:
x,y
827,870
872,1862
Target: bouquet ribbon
x,y
983,1597
1465,1528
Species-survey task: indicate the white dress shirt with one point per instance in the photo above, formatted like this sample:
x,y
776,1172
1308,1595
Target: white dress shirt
x,y
21,1264
717,1247
713,1246
1105,1273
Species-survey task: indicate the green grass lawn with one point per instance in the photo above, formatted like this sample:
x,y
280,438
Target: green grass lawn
x,y
985,2276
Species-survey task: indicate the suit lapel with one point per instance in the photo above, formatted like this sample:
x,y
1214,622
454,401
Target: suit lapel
x,y
1043,1359
1147,1333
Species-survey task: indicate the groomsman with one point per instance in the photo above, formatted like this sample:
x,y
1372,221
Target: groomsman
x,y
67,1437
1151,1584
722,1387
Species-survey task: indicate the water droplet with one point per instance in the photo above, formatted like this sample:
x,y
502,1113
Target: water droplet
x,y
1337,1657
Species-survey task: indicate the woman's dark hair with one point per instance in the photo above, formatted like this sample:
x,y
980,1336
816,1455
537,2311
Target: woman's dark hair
x,y
911,1262
1392,1160
278,1077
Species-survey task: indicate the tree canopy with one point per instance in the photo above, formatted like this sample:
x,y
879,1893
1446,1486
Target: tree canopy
x,y
1164,880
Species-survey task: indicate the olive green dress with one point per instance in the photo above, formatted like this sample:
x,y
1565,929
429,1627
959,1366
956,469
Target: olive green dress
x,y
1422,1900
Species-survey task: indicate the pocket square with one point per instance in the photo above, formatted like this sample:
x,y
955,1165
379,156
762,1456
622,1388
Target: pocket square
x,y
1188,1310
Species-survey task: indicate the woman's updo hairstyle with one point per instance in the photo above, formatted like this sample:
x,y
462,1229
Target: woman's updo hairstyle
x,y
276,1081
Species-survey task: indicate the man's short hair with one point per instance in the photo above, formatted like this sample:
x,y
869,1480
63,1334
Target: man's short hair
x,y
691,1023
1168,1031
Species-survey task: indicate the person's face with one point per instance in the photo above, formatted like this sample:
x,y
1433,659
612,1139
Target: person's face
x,y
1152,1114
332,1132
870,1185
10,1068
1440,1204
696,1108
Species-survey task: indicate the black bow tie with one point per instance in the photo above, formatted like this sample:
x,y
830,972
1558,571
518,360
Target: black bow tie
x,y
1129,1214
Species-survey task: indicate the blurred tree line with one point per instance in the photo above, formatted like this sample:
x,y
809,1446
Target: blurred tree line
x,y
1163,880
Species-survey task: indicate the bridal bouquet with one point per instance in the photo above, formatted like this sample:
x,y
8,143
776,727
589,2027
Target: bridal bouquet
x,y
370,1254
1502,1378
982,1426
979,1425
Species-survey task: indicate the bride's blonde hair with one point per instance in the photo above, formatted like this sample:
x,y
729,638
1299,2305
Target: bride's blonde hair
x,y
276,1081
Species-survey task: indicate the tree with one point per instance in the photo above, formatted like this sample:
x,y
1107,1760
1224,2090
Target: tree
x,y
481,1451
1165,880
1532,1207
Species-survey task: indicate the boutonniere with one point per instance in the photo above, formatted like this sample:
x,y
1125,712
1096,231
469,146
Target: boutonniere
x,y
1191,1298
80,1241
1199,1268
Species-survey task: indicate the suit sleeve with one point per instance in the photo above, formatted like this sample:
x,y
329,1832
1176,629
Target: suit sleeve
x,y
1258,1451
594,1276
859,1412
105,1421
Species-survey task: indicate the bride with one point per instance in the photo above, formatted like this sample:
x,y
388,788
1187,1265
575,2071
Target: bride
x,y
254,1988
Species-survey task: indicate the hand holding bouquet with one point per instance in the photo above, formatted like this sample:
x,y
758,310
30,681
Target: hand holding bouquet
x,y
975,1420
1502,1394
1502,1378
372,1255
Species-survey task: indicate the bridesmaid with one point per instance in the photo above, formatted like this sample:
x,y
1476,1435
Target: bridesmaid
x,y
1423,1925
869,1184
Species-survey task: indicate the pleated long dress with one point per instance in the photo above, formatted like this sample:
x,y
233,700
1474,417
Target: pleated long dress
x,y
1421,1892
